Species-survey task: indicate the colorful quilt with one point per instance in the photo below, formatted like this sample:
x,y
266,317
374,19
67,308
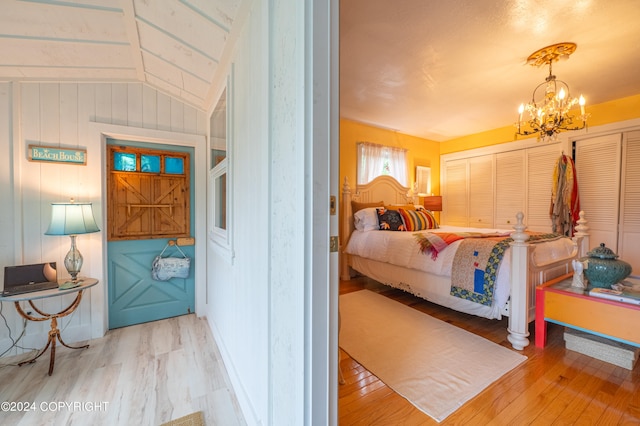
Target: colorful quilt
x,y
475,266
434,242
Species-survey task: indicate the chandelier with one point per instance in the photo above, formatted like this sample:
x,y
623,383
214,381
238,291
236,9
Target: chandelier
x,y
550,107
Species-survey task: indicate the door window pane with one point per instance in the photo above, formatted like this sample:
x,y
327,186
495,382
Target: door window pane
x,y
174,165
124,162
150,163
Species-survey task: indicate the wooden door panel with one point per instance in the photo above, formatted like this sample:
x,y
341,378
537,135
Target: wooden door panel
x,y
134,296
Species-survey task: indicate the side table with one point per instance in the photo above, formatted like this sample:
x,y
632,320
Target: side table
x,y
54,333
558,302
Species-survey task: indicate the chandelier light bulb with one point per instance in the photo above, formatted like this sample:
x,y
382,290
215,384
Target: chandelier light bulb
x,y
561,94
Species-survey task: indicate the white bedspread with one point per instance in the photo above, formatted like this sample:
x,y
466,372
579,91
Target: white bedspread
x,y
401,249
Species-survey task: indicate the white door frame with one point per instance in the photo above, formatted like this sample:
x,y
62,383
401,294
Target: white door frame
x,y
321,310
97,134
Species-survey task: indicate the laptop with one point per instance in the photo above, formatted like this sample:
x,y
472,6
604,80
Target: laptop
x,y
22,279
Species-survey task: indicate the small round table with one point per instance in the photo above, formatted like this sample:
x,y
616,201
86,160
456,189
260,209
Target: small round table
x,y
54,333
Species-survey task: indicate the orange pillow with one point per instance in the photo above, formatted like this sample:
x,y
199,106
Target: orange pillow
x,y
400,206
355,205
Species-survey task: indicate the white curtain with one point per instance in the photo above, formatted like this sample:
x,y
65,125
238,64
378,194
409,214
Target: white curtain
x,y
375,160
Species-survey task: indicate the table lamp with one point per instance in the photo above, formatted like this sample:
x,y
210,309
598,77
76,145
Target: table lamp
x,y
72,219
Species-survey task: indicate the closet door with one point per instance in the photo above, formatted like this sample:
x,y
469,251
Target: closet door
x,y
481,190
540,162
510,187
598,169
455,200
628,247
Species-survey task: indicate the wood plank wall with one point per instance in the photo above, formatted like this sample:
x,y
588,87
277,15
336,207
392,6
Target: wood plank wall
x,y
59,114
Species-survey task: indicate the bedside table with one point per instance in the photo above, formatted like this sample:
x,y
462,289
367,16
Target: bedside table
x,y
558,302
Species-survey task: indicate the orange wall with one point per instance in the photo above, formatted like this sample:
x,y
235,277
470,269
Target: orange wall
x,y
420,152
604,113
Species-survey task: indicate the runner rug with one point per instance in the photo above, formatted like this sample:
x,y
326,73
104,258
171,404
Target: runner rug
x,y
437,367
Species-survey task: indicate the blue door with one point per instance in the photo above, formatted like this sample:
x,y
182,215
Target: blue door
x,y
148,204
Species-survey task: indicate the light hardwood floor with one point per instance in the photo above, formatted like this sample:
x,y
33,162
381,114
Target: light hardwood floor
x,y
145,374
554,386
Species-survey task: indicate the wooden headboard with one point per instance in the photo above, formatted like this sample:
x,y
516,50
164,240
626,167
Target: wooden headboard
x,y
382,188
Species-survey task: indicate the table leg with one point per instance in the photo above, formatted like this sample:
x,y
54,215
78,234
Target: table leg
x,y
54,333
541,324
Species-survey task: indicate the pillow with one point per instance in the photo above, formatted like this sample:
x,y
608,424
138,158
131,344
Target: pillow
x,y
418,220
389,220
366,219
399,206
356,206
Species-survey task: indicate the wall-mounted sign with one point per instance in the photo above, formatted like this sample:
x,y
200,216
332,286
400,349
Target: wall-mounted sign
x,y
57,155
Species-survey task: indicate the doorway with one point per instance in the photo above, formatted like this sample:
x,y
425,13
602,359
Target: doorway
x,y
149,201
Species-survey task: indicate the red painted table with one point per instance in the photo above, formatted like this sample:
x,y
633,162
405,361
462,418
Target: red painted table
x,y
558,302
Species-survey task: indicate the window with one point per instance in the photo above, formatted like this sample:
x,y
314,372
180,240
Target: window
x,y
148,192
220,229
376,160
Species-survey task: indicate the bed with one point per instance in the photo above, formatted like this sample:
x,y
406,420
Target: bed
x,y
410,262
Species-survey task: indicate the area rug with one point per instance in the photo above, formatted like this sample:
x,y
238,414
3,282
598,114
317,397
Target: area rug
x,y
193,419
434,365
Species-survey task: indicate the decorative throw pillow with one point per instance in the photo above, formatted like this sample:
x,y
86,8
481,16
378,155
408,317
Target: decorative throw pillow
x,y
418,220
389,220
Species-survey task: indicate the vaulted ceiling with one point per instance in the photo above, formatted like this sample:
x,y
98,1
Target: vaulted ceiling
x,y
430,68
172,45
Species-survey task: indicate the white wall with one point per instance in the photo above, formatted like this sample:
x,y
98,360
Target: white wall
x,y
60,115
238,290
260,304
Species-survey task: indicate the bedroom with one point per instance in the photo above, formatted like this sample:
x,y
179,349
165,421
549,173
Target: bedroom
x,y
387,124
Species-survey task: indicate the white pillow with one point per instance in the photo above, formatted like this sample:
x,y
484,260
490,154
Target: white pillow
x,y
366,219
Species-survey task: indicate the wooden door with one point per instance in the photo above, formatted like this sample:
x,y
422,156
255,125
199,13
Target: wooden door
x,y
148,205
598,169
540,163
481,191
629,234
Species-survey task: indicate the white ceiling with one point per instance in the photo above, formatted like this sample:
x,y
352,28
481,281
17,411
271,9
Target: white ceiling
x,y
173,45
430,68
443,69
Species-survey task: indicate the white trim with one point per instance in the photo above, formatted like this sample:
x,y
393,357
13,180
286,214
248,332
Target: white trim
x,y
100,132
222,238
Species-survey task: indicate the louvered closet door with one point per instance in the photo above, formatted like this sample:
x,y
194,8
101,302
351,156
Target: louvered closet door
x,y
598,169
510,187
540,162
481,190
629,248
455,199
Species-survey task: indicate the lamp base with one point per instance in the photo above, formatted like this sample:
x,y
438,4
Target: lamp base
x,y
73,259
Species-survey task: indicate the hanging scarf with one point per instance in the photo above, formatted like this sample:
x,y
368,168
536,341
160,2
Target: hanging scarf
x,y
565,201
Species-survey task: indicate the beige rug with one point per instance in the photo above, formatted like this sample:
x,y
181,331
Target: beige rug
x,y
193,419
434,365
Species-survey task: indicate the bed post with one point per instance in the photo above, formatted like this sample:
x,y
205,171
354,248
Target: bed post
x,y
581,236
518,315
346,230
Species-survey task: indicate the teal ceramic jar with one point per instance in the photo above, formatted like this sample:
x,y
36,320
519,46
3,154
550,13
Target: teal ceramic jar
x,y
602,267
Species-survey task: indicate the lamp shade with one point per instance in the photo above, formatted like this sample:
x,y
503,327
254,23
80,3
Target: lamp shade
x,y
433,203
72,219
